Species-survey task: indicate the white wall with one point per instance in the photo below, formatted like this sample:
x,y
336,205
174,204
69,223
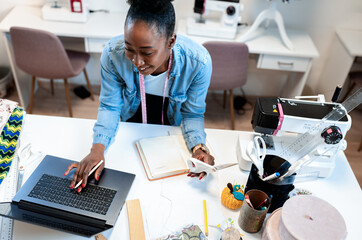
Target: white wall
x,y
318,17
5,7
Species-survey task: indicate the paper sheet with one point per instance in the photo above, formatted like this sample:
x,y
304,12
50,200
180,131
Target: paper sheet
x,y
164,154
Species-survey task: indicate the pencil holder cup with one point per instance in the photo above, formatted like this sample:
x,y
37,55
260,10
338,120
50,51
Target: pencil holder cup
x,y
278,190
251,215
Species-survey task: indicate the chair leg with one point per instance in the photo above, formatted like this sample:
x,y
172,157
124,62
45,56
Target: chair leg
x,y
232,109
52,86
33,80
224,102
68,97
88,84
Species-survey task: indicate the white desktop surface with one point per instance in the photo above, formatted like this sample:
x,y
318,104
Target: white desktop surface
x,y
266,41
352,40
99,25
71,138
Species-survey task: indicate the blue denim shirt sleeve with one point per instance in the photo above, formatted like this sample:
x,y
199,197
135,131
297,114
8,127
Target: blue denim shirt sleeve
x,y
193,108
110,101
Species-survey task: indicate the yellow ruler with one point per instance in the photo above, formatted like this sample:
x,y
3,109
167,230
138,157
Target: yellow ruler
x,y
135,220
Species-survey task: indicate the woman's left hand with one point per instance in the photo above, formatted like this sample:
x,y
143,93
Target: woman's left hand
x,y
202,156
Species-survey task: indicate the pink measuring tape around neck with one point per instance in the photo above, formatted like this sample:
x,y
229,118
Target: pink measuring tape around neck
x,y
143,92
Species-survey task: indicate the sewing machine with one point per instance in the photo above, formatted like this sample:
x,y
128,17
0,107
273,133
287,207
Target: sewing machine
x,y
66,11
281,123
214,25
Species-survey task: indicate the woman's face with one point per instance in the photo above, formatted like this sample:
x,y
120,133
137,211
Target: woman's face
x,y
146,48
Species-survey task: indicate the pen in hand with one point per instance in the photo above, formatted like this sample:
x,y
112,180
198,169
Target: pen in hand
x,y
91,171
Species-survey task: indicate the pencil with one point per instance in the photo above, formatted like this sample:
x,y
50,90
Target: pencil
x,y
93,169
205,220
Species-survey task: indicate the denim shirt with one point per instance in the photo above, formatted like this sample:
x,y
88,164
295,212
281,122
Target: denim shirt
x,y
120,95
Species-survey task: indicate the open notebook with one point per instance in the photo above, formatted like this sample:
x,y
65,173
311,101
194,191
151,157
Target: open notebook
x,y
164,156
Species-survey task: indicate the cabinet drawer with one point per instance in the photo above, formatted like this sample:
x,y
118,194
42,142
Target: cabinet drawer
x,y
296,64
95,44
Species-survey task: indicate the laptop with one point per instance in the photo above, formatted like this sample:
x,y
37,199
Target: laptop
x,y
47,200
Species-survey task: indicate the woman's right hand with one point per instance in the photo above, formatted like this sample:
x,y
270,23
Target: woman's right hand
x,y
84,167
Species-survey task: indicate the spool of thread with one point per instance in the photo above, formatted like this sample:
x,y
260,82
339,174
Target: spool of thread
x,y
271,229
305,217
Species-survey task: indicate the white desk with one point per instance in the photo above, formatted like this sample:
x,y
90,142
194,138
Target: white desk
x,y
274,55
346,45
103,26
71,138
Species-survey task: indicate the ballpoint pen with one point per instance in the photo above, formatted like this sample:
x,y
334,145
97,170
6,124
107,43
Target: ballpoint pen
x,y
271,176
93,169
264,201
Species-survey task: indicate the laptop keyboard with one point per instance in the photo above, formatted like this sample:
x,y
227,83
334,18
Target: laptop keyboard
x,y
56,189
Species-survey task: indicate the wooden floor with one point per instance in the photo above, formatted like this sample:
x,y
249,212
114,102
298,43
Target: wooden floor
x,y
215,116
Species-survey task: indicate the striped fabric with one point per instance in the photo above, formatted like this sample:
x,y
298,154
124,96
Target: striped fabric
x,y
8,140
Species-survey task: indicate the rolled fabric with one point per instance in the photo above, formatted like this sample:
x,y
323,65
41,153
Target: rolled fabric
x,y
8,140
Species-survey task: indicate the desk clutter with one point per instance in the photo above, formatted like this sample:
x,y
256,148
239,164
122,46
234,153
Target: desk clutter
x,y
188,232
307,134
305,217
269,188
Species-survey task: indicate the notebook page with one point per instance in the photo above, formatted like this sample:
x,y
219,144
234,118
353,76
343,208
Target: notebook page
x,y
163,155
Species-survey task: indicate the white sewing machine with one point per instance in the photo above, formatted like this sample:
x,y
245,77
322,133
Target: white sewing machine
x,y
281,123
66,11
221,18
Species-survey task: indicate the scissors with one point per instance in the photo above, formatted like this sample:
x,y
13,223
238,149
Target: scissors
x,y
256,153
197,166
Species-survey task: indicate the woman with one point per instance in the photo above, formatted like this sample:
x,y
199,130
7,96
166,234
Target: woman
x,y
149,75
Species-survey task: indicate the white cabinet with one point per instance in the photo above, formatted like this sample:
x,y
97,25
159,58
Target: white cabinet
x,y
283,63
95,45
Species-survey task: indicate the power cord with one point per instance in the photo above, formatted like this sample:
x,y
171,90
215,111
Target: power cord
x,y
240,102
99,10
243,24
